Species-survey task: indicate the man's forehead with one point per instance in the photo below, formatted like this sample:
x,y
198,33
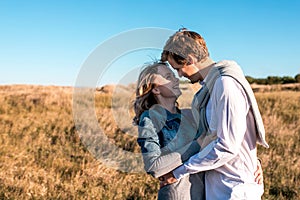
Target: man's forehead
x,y
172,62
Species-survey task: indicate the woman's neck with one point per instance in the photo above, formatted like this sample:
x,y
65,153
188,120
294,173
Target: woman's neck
x,y
168,104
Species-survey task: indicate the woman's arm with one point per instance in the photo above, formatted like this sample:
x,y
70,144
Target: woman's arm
x,y
159,161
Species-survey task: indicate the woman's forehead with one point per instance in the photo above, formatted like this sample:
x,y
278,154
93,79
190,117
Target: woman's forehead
x,y
162,69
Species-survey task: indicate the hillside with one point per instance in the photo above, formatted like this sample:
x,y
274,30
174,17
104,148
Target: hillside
x,y
42,155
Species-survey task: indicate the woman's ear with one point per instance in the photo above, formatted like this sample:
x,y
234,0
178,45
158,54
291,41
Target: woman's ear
x,y
155,91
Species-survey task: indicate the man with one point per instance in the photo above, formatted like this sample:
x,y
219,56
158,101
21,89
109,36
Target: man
x,y
225,106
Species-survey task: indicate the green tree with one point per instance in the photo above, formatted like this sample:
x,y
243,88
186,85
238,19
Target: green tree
x,y
288,79
250,79
261,81
297,78
273,80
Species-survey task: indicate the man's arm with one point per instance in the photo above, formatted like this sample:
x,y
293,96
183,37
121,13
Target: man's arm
x,y
228,121
169,178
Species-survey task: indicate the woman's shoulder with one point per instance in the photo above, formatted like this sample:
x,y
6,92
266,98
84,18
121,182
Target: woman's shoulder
x,y
156,114
156,111
144,114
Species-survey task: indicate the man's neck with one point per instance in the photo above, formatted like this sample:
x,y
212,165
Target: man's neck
x,y
204,67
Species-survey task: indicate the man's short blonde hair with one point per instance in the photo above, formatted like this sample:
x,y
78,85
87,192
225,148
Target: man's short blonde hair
x,y
184,43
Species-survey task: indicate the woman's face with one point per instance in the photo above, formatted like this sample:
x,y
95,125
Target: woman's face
x,y
167,83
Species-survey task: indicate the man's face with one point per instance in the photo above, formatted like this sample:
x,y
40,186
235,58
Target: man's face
x,y
186,70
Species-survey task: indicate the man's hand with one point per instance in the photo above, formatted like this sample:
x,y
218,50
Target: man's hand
x,y
259,174
167,179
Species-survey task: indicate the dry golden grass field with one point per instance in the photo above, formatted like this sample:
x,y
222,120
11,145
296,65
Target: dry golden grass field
x,y
42,155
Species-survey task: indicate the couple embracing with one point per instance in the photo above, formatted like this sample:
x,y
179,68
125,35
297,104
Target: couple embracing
x,y
209,151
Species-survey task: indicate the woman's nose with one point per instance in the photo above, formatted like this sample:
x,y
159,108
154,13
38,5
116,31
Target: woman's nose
x,y
179,73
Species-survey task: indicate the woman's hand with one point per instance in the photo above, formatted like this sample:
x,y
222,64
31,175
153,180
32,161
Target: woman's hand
x,y
167,179
259,173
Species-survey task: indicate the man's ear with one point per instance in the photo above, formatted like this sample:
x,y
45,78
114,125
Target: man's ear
x,y
190,60
155,91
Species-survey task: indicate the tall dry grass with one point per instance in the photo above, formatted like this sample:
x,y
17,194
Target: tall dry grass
x,y
281,162
42,156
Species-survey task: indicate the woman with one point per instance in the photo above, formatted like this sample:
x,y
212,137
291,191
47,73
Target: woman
x,y
167,135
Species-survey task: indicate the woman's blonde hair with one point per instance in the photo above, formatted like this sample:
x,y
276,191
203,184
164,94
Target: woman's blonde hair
x,y
145,99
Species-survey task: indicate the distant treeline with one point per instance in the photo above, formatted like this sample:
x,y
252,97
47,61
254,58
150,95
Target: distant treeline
x,y
270,80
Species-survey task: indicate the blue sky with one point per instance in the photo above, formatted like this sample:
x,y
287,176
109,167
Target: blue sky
x,y
47,42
